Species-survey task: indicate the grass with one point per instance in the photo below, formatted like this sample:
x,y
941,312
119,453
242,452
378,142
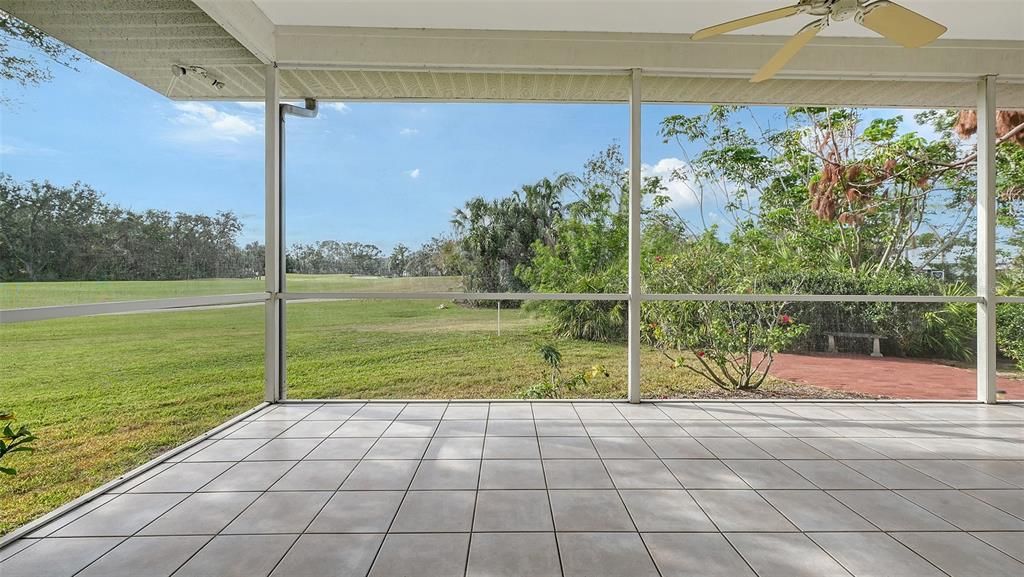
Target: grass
x,y
105,394
42,294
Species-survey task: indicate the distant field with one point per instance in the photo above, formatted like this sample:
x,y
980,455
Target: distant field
x,y
42,294
107,393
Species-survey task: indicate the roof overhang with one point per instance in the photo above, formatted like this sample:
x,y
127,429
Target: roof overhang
x,y
233,40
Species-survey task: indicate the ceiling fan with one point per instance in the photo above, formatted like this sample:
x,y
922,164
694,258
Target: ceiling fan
x,y
895,22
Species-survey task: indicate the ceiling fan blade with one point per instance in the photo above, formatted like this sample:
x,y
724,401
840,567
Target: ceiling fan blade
x,y
745,22
788,50
901,25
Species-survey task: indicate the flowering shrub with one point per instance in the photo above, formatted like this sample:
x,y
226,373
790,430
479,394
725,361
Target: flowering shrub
x,y
732,344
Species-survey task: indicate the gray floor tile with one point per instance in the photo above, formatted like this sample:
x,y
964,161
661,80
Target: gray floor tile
x,y
447,474
11,548
641,412
735,510
554,411
380,476
1009,471
466,411
238,556
816,511
358,512
460,428
961,555
761,474
831,475
623,448
334,412
684,411
201,514
1009,500
874,555
890,512
310,429
422,555
894,474
227,450
665,510
455,448
57,557
1011,543
511,474
640,474
511,411
729,448
785,555
704,474
512,511
513,555
121,516
655,429
788,448
695,555
589,510
279,512
398,448
567,448
146,557
330,555
598,412
897,448
411,429
378,412
423,412
435,512
576,474
708,429
610,429
47,529
182,478
371,429
284,450
250,476
286,412
260,430
560,428
604,555
511,448
964,511
315,476
341,449
958,475
842,448
511,428
678,448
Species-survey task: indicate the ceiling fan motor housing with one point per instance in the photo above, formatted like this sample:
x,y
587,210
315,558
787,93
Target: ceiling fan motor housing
x,y
845,9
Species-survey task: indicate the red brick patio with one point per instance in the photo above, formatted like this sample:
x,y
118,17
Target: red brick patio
x,y
890,377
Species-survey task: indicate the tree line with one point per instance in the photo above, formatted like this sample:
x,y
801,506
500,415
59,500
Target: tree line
x,y
50,232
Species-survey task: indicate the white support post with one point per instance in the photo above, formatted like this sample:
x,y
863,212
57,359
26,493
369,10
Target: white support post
x,y
273,355
635,199
986,266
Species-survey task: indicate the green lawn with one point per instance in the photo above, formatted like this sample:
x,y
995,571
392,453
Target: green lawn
x,y
41,294
107,393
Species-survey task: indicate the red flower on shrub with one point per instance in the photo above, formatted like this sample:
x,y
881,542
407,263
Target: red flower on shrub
x,y
785,320
700,354
658,258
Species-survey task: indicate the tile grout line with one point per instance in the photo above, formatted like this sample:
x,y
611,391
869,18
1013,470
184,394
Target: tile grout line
x,y
547,489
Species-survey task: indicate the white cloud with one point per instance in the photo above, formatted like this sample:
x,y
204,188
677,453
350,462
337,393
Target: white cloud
x,y
414,173
338,107
408,132
198,122
681,193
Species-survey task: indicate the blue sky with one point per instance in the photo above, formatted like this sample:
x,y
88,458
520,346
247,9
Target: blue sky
x,y
380,173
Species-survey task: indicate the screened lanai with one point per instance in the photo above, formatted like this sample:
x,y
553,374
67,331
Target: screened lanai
x,y
639,482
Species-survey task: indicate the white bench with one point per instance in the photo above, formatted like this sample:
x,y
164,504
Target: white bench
x,y
876,349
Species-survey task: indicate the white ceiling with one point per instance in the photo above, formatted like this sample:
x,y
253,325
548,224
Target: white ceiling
x,y
966,19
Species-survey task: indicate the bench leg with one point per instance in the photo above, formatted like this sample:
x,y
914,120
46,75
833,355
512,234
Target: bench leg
x,y
876,349
831,344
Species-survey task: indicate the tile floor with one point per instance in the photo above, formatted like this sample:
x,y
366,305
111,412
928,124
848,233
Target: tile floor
x,y
575,489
